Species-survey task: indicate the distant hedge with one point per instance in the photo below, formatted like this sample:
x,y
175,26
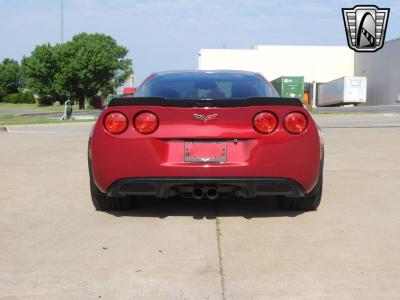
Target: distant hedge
x,y
45,101
21,97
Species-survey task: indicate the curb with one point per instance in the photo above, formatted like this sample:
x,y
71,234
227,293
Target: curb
x,y
76,123
60,113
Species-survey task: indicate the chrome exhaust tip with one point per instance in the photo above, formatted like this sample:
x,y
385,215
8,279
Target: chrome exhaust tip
x,y
211,193
198,193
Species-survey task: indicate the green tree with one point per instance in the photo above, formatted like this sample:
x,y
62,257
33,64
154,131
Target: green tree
x,y
89,63
40,71
10,77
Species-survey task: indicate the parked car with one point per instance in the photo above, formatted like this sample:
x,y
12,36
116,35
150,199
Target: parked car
x,y
205,134
129,91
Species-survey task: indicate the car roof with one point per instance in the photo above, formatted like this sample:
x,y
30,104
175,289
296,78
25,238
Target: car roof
x,y
205,72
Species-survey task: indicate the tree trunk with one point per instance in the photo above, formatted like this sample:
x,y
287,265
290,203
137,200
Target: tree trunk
x,y
82,102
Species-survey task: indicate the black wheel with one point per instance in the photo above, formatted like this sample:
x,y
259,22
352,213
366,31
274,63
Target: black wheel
x,y
103,203
309,202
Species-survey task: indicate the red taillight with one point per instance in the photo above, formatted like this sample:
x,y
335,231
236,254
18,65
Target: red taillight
x,y
265,122
295,122
146,122
115,122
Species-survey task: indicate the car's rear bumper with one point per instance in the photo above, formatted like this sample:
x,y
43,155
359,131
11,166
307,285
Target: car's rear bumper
x,y
171,186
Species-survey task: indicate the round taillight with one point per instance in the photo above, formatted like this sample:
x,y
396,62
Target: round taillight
x,y
115,122
295,122
265,122
146,122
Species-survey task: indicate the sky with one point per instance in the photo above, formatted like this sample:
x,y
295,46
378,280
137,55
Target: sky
x,y
164,35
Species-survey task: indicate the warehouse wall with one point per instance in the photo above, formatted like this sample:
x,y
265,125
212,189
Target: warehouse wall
x,y
382,69
315,63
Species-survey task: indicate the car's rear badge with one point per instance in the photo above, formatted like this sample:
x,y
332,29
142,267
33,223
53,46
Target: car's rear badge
x,y
205,118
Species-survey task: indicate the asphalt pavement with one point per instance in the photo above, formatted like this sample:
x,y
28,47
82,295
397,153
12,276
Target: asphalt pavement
x,y
54,245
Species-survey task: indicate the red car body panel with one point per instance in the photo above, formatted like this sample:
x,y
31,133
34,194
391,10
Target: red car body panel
x,y
249,153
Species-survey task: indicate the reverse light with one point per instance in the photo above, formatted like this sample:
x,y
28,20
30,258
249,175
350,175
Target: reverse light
x,y
146,122
265,122
295,122
115,122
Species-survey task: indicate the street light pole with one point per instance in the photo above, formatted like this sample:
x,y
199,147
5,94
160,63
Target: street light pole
x,y
62,22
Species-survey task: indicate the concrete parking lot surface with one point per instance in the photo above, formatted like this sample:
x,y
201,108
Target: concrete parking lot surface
x,y
54,245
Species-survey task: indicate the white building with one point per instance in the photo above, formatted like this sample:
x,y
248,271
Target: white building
x,y
382,69
316,63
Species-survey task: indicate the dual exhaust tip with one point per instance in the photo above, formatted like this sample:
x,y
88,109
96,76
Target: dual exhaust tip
x,y
208,192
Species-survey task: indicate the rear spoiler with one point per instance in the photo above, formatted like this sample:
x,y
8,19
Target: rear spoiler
x,y
155,101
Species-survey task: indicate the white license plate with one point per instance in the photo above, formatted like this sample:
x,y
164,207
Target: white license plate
x,y
205,151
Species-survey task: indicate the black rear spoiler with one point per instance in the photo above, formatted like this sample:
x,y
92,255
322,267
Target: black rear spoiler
x,y
155,101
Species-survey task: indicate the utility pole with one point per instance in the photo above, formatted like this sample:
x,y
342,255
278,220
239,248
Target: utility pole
x,y
62,22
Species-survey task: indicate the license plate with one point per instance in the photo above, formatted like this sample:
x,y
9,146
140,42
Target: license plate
x,y
205,151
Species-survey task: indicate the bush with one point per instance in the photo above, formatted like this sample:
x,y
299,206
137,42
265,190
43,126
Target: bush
x,y
21,97
45,101
11,98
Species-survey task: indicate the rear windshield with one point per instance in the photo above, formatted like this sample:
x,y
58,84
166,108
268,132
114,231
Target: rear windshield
x,y
206,86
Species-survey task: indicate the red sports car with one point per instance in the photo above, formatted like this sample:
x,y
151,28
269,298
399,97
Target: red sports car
x,y
205,134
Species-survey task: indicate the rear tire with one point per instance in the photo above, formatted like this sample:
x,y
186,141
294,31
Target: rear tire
x,y
309,202
102,202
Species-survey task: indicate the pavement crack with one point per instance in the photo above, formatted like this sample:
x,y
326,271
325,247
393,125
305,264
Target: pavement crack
x,y
221,267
